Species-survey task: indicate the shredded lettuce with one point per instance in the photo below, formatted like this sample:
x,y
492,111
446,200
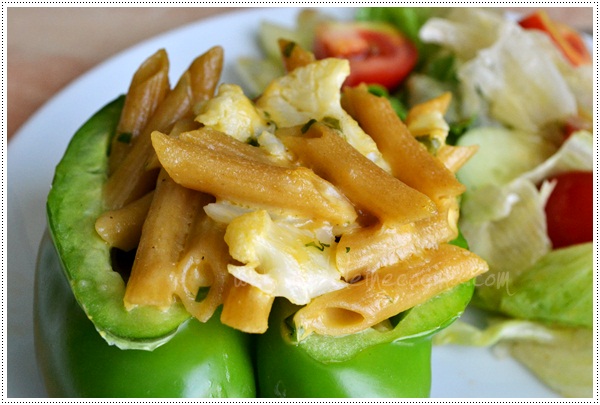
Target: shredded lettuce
x,y
560,357
510,75
575,154
515,89
520,89
506,225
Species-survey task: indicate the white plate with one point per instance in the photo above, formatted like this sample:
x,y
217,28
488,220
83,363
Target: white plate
x,y
458,372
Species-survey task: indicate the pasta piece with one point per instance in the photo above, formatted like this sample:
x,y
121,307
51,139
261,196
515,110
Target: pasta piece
x,y
122,228
211,138
162,241
409,160
247,308
427,119
132,179
363,251
180,127
294,55
205,73
368,186
148,88
201,273
454,157
235,178
438,104
388,292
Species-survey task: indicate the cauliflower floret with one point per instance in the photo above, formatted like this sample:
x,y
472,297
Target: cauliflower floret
x,y
268,142
231,112
281,259
313,92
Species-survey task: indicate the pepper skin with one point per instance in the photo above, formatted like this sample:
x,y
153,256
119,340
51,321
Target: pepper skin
x,y
389,370
397,366
201,360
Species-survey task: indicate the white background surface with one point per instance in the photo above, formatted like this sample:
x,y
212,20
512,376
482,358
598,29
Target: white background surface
x,y
458,372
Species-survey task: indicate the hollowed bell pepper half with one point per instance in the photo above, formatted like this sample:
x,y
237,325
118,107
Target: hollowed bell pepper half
x,y
89,345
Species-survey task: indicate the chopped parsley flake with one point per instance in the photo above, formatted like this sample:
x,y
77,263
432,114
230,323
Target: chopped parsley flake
x,y
321,246
307,126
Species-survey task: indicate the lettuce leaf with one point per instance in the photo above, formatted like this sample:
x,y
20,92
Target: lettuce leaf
x,y
560,357
534,295
505,225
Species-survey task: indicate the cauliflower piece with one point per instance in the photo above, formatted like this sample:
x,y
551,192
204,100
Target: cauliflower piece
x,y
282,260
231,112
313,92
268,142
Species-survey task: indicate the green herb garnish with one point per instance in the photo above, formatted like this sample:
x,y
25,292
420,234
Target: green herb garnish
x,y
321,246
307,126
289,48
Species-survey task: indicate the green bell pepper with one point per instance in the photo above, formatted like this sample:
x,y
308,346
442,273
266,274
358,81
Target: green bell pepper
x,y
74,203
202,360
88,345
389,362
72,352
394,370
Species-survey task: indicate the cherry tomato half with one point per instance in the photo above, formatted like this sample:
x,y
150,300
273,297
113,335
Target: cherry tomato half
x,y
378,53
566,39
570,209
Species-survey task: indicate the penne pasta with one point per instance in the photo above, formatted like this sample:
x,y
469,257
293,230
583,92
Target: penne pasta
x,y
132,179
182,126
201,272
454,157
295,190
427,119
368,186
149,86
211,138
438,104
353,223
363,251
122,228
205,74
409,160
293,55
247,308
389,291
163,237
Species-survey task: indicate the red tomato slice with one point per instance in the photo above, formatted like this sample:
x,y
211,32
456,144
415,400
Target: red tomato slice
x,y
570,209
378,53
566,39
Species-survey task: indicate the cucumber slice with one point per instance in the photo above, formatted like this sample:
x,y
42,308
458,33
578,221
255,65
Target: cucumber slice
x,y
503,155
